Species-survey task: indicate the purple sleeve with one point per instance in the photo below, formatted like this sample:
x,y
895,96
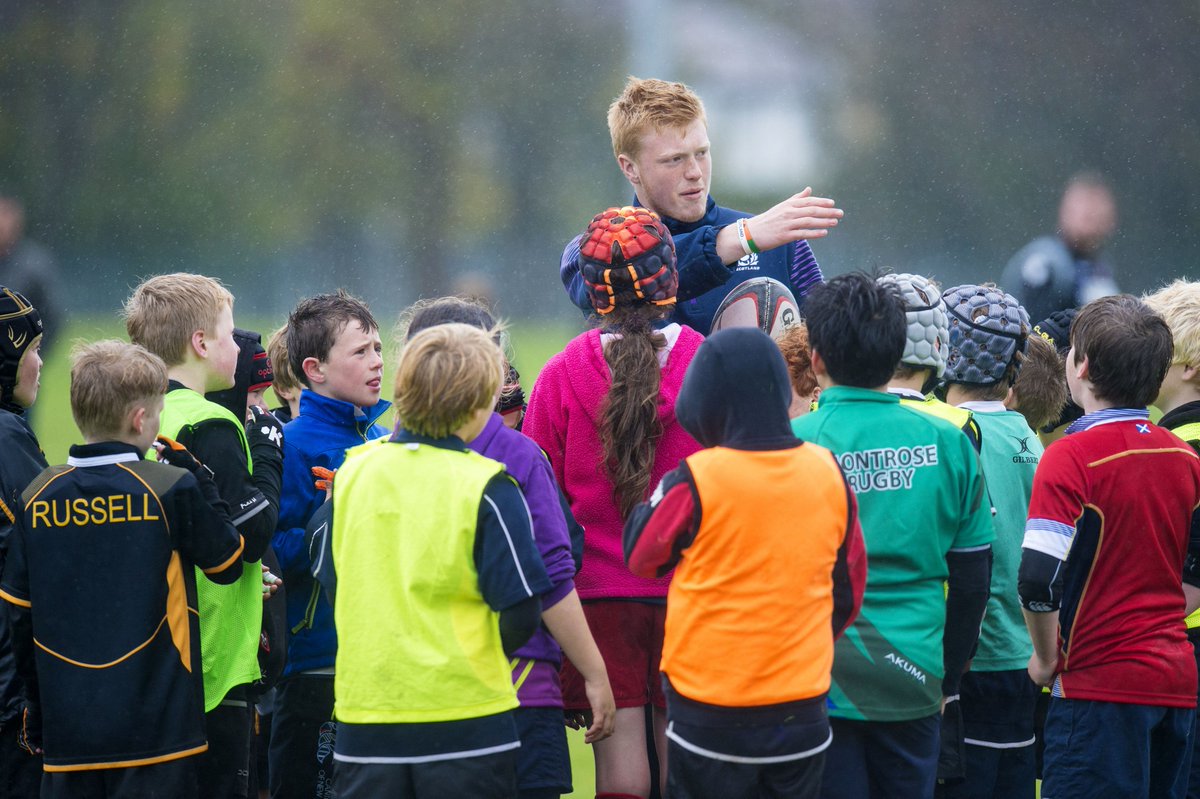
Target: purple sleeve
x,y
549,529
805,271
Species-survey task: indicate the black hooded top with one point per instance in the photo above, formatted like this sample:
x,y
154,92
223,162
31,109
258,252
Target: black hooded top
x,y
737,392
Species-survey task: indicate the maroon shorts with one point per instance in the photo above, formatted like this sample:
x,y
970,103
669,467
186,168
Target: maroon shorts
x,y
629,635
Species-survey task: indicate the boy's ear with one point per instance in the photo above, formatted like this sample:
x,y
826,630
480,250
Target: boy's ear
x,y
1191,374
137,419
1081,368
199,342
314,370
818,364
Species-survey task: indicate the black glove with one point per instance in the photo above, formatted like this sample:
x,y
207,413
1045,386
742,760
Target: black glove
x,y
263,432
172,453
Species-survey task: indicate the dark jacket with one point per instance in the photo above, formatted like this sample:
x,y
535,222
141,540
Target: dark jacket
x,y
703,280
23,461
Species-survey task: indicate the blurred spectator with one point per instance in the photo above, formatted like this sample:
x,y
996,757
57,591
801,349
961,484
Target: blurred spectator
x,y
28,267
1068,270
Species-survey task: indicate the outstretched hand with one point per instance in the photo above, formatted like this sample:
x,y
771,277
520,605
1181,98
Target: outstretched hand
x,y
801,216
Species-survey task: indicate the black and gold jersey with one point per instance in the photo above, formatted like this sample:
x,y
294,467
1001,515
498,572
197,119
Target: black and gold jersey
x,y
102,558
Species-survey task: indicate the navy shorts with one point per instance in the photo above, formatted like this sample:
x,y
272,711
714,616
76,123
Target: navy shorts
x,y
543,761
998,716
882,759
485,777
174,779
1105,750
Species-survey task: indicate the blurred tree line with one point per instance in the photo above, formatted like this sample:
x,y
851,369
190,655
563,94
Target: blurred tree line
x,y
290,146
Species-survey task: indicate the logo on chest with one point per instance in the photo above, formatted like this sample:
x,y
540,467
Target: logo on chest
x,y
747,262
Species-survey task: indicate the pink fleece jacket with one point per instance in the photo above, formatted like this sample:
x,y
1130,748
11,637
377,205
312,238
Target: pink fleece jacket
x,y
563,418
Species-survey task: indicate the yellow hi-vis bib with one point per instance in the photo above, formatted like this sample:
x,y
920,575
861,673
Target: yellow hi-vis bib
x,y
416,641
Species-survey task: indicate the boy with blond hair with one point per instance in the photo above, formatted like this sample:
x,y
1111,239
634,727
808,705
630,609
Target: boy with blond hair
x,y
1179,400
659,134
334,349
187,320
437,580
283,382
1110,639
101,580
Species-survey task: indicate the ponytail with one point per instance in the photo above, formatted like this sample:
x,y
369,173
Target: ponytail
x,y
629,425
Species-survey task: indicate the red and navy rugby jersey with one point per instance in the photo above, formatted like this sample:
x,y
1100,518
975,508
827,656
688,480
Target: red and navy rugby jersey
x,y
1115,500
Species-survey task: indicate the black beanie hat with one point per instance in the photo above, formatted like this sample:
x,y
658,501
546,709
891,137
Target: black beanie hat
x,y
249,373
21,325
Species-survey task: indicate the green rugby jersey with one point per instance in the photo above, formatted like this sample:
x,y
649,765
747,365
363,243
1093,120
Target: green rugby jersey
x,y
1010,455
920,494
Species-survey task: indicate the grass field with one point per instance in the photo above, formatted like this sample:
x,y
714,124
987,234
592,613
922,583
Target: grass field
x,y
532,344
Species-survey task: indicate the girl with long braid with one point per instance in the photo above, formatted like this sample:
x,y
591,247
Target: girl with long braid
x,y
603,411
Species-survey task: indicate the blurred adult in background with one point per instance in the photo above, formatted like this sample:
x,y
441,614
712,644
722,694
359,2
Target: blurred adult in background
x,y
27,266
1068,269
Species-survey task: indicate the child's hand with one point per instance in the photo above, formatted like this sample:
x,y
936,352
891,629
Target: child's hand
x,y
324,480
1042,672
271,583
604,710
172,453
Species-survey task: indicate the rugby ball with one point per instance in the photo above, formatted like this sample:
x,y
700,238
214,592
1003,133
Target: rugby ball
x,y
761,302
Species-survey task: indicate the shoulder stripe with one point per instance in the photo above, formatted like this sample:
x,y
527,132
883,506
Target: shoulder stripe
x,y
1050,526
162,512
1047,543
4,507
511,547
1162,451
34,490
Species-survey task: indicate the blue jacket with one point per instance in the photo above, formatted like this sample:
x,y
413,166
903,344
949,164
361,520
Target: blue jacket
x,y
703,280
319,436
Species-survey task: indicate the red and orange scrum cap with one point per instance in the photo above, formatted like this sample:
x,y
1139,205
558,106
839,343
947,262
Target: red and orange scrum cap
x,y
627,256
